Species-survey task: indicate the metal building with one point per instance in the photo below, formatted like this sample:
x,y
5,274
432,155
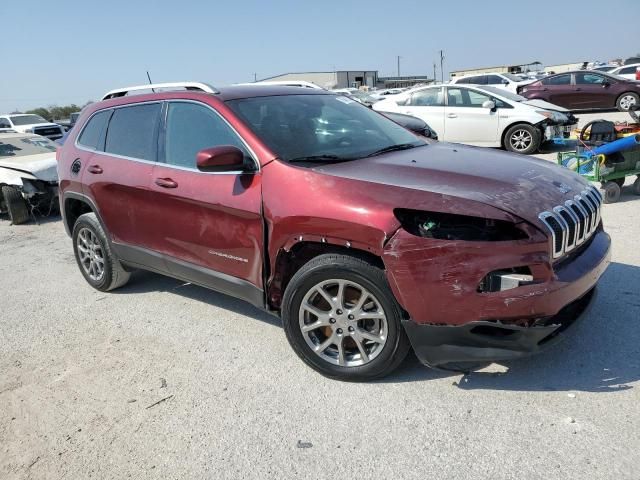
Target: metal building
x,y
337,79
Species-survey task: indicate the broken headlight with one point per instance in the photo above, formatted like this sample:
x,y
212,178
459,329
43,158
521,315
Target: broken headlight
x,y
450,226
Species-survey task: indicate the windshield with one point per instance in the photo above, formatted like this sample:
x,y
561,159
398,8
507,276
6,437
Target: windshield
x,y
25,146
323,127
27,119
502,93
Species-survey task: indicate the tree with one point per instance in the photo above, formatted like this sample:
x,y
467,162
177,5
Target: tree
x,y
43,112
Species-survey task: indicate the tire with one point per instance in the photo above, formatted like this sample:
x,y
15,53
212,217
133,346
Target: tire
x,y
636,186
90,244
371,348
619,181
522,138
16,205
611,192
627,100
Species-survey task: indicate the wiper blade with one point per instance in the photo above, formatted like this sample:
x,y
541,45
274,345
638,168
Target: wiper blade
x,y
316,158
393,148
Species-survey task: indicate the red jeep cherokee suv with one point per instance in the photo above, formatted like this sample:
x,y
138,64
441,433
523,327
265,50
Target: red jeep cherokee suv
x,y
365,238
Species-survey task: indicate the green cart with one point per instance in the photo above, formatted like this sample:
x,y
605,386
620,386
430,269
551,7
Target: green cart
x,y
611,171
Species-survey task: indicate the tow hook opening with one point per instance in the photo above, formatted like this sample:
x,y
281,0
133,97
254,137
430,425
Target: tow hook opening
x,y
506,279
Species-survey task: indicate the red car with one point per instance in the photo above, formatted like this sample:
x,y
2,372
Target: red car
x,y
364,238
585,90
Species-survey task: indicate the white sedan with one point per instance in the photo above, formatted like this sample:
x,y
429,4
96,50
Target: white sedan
x,y
506,81
483,116
630,72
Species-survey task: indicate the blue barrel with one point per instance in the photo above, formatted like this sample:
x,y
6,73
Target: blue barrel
x,y
620,145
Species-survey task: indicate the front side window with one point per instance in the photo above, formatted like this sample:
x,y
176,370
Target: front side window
x,y
558,80
27,119
4,123
627,70
589,79
191,128
431,97
495,80
321,128
463,97
132,131
92,134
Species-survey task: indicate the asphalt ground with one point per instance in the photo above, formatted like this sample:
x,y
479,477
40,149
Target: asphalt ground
x,y
165,380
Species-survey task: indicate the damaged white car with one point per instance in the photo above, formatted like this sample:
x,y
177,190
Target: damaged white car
x,y
28,176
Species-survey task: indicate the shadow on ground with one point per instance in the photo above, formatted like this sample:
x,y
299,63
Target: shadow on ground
x,y
601,353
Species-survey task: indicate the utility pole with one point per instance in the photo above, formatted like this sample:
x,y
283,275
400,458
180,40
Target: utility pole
x,y
255,77
441,68
434,72
399,57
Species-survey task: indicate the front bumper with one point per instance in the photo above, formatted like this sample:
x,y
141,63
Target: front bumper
x,y
451,321
482,341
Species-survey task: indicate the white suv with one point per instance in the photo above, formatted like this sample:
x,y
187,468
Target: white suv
x,y
483,116
506,81
29,123
630,72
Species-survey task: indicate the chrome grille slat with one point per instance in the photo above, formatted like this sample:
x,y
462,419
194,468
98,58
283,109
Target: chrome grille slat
x,y
573,223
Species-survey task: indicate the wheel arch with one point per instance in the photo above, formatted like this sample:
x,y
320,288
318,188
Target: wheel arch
x,y
289,261
75,204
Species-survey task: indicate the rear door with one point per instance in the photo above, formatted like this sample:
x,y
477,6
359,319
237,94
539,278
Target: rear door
x,y
558,89
208,225
117,174
467,121
428,105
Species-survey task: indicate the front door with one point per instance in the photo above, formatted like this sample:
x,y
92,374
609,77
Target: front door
x,y
208,225
467,121
592,90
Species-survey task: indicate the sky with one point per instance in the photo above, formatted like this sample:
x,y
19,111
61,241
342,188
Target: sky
x,y
56,53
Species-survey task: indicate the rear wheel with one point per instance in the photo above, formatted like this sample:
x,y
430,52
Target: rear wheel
x,y
619,181
611,192
342,320
522,138
636,186
627,101
16,206
99,266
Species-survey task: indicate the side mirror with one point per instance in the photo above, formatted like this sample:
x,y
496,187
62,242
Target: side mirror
x,y
605,84
220,159
490,104
505,82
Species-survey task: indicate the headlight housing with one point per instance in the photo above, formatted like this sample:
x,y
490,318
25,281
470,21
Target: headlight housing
x,y
451,226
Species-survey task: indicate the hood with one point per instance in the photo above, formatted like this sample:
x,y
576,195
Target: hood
x,y
520,185
546,105
43,166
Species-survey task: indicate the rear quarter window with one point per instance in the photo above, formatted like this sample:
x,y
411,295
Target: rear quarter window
x,y
92,133
132,131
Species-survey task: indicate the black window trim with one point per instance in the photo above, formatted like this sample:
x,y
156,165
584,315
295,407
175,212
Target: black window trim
x,y
163,131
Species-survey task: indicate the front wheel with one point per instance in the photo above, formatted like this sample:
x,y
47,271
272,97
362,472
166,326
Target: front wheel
x,y
627,101
611,192
523,139
16,205
342,320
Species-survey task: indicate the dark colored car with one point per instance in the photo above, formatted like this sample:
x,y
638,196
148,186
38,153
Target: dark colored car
x,y
363,237
585,90
415,124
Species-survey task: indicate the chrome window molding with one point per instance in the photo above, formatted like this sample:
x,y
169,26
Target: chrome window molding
x,y
164,164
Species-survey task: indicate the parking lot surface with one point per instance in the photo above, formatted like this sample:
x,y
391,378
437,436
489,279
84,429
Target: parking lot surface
x,y
165,380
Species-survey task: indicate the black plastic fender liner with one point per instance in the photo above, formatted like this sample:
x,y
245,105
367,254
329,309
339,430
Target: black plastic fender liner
x,y
487,341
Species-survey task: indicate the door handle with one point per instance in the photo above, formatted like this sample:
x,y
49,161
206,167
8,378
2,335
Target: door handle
x,y
95,169
578,89
452,115
166,183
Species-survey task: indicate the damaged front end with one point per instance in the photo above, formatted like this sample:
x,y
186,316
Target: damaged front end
x,y
557,125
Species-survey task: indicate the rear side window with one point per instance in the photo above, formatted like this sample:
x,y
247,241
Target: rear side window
x,y
92,133
191,128
627,70
557,80
132,131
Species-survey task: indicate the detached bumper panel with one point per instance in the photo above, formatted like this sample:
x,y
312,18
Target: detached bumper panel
x,y
486,341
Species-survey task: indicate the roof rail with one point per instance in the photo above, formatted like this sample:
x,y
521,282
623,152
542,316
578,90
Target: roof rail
x,y
121,92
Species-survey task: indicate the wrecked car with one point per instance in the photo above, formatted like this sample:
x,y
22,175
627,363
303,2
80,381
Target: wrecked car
x,y
28,177
366,239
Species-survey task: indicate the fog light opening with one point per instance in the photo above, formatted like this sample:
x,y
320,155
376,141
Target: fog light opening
x,y
501,280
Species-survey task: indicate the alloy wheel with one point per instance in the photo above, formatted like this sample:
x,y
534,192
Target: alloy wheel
x,y
521,140
343,323
627,102
90,254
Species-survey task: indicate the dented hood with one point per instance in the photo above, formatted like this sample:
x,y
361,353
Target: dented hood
x,y
520,185
42,166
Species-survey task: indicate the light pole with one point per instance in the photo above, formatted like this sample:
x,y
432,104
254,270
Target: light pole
x,y
399,57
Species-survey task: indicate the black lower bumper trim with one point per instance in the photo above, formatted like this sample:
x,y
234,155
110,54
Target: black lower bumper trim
x,y
487,341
